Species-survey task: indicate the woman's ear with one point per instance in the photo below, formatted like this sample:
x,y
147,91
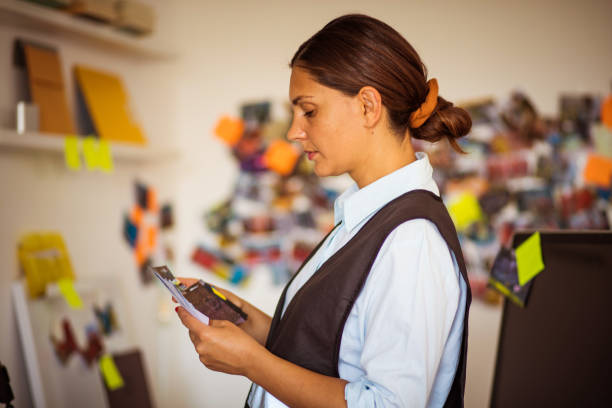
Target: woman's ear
x,y
371,105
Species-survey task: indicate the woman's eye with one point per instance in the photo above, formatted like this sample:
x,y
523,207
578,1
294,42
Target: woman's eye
x,y
308,114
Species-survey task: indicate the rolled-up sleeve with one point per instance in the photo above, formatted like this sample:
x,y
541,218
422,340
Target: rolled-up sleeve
x,y
396,333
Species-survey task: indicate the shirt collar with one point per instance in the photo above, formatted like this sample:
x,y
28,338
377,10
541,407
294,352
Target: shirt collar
x,y
354,205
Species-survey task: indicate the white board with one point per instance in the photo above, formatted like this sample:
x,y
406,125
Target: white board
x,y
74,384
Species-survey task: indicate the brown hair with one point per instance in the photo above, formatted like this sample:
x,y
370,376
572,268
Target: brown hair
x,y
355,50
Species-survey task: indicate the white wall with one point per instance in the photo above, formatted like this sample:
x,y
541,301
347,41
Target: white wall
x,y
235,51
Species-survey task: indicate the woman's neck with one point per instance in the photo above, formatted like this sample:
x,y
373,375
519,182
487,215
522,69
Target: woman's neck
x,y
385,155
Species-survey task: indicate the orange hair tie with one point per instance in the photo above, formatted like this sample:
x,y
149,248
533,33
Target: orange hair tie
x,y
419,116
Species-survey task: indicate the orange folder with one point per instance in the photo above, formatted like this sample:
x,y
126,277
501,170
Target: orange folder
x,y
47,89
107,104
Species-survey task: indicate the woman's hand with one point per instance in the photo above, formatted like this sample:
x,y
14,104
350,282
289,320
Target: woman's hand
x,y
232,349
222,346
257,324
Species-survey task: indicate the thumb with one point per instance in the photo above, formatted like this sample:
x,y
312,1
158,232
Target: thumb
x,y
220,323
188,320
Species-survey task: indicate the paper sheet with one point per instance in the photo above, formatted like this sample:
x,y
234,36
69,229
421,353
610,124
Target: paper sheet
x,y
71,153
465,210
111,374
529,259
69,293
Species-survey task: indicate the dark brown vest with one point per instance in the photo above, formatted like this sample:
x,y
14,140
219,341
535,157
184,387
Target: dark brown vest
x,y
310,330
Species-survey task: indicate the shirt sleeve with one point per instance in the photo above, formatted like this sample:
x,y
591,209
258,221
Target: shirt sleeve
x,y
404,315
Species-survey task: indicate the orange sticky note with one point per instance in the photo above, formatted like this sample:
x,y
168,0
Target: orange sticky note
x,y
152,199
152,235
136,215
140,252
280,157
229,129
598,171
606,112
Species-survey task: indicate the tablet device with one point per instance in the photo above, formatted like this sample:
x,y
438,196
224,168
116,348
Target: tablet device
x,y
201,299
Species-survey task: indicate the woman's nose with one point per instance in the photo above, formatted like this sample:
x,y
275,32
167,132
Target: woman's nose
x,y
295,132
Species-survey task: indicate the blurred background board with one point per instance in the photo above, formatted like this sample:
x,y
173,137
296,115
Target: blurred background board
x,y
556,351
75,383
135,392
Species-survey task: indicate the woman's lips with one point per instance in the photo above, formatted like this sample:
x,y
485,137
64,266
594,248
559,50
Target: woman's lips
x,y
311,155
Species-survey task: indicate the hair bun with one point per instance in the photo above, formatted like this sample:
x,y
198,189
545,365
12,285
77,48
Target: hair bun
x,y
447,121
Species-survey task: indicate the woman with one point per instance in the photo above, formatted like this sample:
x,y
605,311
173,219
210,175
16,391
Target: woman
x,y
377,315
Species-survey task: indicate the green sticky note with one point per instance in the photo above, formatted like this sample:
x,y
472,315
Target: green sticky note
x,y
70,294
465,210
529,259
71,153
110,373
602,139
90,151
105,156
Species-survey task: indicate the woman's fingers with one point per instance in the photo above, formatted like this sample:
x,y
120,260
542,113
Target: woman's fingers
x,y
221,346
193,337
220,323
187,281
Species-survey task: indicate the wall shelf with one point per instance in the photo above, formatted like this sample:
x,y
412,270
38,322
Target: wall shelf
x,y
19,13
53,143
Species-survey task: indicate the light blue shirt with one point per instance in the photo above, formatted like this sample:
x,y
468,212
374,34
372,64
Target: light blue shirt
x,y
401,342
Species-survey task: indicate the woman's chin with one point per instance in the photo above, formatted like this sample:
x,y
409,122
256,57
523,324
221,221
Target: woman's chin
x,y
322,171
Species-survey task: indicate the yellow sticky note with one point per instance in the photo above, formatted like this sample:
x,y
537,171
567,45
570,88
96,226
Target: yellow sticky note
x,y
70,294
71,153
216,292
112,376
90,151
105,156
529,259
465,210
44,258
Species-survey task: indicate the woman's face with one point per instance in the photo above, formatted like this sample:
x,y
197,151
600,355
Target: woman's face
x,y
328,125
